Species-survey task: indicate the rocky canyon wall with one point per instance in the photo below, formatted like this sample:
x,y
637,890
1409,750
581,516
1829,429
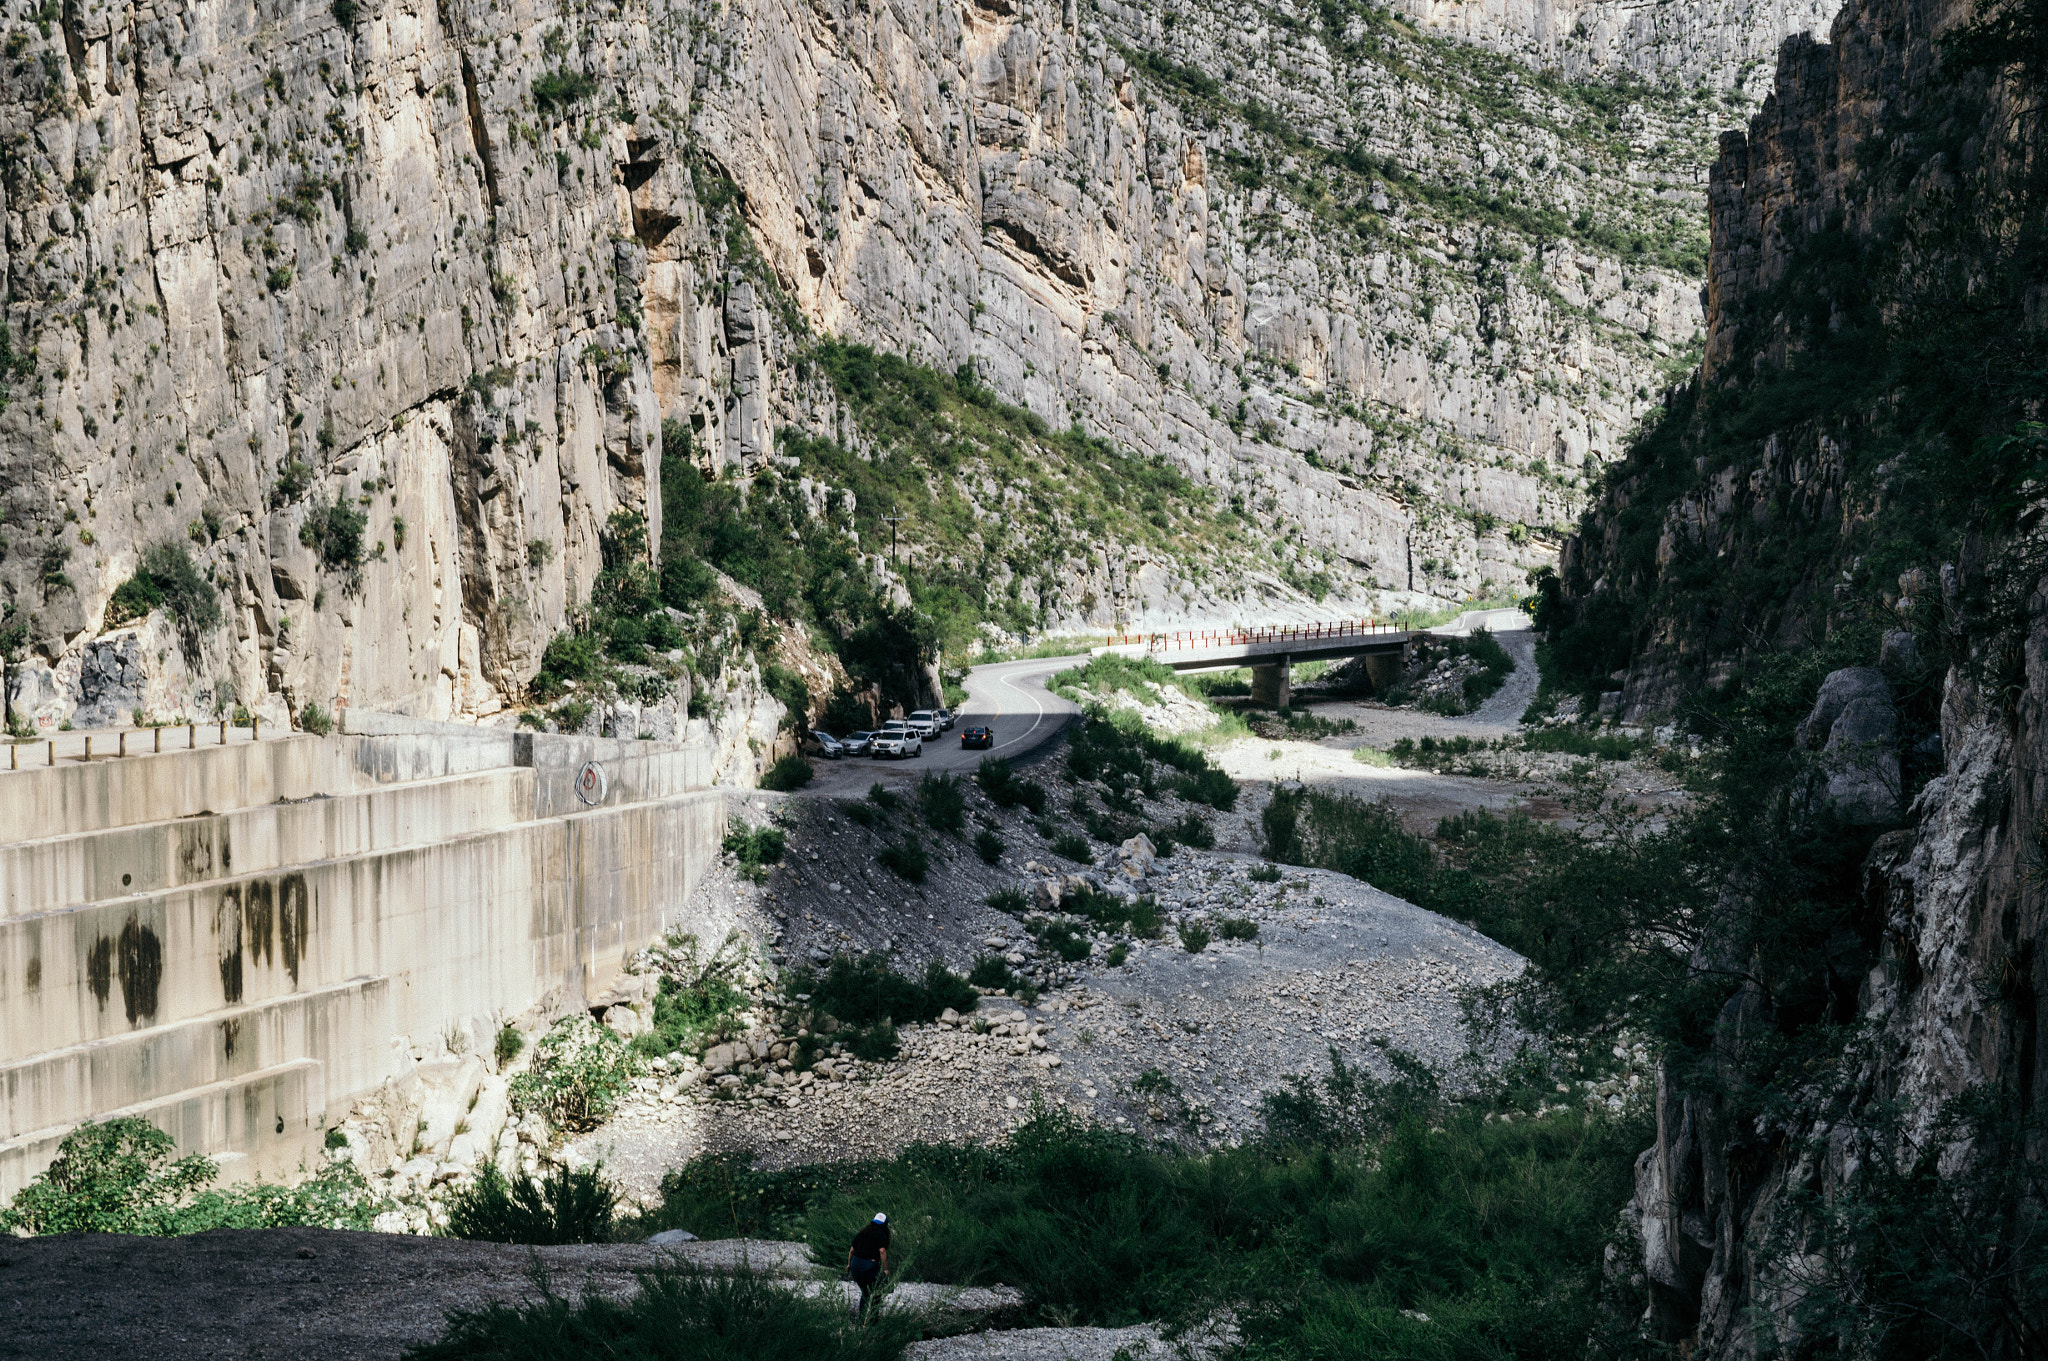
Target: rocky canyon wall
x,y
1826,487
376,309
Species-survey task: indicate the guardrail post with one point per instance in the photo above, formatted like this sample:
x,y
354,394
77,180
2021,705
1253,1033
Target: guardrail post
x,y
124,744
53,751
158,730
88,748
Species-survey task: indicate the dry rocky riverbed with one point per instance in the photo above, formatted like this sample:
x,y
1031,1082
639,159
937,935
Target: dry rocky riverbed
x,y
1171,1043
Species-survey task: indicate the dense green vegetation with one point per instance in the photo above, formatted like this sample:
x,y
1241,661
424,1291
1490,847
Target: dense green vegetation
x,y
168,578
120,1176
1368,1205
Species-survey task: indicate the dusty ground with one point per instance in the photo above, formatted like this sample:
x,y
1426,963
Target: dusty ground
x,y
281,1293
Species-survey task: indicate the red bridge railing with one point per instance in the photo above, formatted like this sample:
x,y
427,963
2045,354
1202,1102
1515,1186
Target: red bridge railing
x,y
1203,638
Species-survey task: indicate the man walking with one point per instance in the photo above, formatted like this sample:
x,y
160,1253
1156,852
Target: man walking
x,y
869,1257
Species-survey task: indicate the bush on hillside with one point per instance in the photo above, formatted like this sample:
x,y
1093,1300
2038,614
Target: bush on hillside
x,y
565,1206
121,1176
791,772
580,1069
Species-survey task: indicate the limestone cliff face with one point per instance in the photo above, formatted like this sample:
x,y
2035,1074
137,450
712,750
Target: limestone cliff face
x,y
1727,43
447,267
1951,912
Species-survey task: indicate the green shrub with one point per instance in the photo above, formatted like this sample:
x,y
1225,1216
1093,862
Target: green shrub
x,y
1006,789
558,89
943,802
676,1313
1008,900
1140,916
791,772
756,848
1316,1234
509,1044
119,1176
884,798
564,1207
875,1043
1073,846
688,1015
335,531
1237,928
1211,787
866,814
1266,874
907,859
113,1177
315,720
567,657
1061,938
167,578
1194,937
580,1070
993,971
988,846
862,990
1191,829
1118,953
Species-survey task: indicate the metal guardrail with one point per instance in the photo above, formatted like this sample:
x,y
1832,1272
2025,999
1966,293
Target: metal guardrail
x,y
1207,638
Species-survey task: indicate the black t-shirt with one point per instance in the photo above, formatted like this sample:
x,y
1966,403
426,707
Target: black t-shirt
x,y
869,1242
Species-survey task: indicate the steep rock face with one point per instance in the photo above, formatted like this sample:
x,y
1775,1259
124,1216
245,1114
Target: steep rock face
x,y
1726,1205
446,268
1733,42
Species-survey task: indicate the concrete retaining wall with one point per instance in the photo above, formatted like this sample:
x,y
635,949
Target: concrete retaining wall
x,y
239,978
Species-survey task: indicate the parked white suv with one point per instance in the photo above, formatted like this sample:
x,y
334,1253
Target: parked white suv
x,y
927,723
897,738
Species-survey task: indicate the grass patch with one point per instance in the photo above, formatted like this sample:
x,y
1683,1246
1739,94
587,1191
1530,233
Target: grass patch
x,y
704,1317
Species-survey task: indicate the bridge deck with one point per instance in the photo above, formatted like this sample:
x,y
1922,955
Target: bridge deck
x,y
1197,649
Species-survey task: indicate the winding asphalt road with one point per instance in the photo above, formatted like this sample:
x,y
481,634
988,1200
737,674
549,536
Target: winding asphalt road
x,y
1009,697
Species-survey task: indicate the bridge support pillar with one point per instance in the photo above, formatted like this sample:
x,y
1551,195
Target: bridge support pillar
x,y
1271,685
1384,669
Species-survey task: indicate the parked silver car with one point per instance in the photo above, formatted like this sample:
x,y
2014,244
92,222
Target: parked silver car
x,y
856,743
945,717
829,747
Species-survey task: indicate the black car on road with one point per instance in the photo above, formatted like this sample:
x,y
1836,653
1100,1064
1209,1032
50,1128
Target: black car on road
x,y
977,737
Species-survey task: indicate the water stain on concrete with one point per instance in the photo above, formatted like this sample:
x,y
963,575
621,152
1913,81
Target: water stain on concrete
x,y
227,928
35,973
142,970
258,906
294,919
99,969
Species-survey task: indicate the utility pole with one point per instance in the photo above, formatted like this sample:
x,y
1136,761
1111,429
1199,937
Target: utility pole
x,y
893,520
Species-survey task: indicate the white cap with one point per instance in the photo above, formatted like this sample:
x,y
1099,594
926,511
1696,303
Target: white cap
x,y
881,1219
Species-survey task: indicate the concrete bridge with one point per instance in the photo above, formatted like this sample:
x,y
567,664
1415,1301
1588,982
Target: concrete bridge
x,y
1272,652
235,938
